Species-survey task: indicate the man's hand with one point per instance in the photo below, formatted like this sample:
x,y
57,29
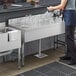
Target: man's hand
x,y
50,8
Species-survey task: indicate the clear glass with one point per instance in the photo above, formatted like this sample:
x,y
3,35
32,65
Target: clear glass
x,y
18,22
23,22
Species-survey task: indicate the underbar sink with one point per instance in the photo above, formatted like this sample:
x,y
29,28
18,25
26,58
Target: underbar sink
x,y
10,39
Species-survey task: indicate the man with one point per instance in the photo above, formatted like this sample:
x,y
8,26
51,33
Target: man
x,y
69,16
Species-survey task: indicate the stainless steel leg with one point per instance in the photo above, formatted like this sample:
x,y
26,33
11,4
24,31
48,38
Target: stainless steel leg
x,y
40,47
19,58
4,58
40,55
54,42
57,41
23,54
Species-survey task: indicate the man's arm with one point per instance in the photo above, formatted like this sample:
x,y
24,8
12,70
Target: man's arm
x,y
61,6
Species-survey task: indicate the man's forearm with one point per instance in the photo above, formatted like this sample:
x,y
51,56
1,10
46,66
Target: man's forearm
x,y
61,6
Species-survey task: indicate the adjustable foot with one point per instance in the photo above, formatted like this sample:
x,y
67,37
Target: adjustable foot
x,y
41,55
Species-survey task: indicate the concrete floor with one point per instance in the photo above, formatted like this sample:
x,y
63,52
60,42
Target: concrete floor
x,y
31,62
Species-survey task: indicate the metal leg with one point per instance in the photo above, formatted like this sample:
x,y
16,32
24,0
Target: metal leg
x,y
19,58
6,22
40,55
23,54
40,47
4,58
54,42
57,41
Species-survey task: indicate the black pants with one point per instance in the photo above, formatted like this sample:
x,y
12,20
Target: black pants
x,y
70,41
